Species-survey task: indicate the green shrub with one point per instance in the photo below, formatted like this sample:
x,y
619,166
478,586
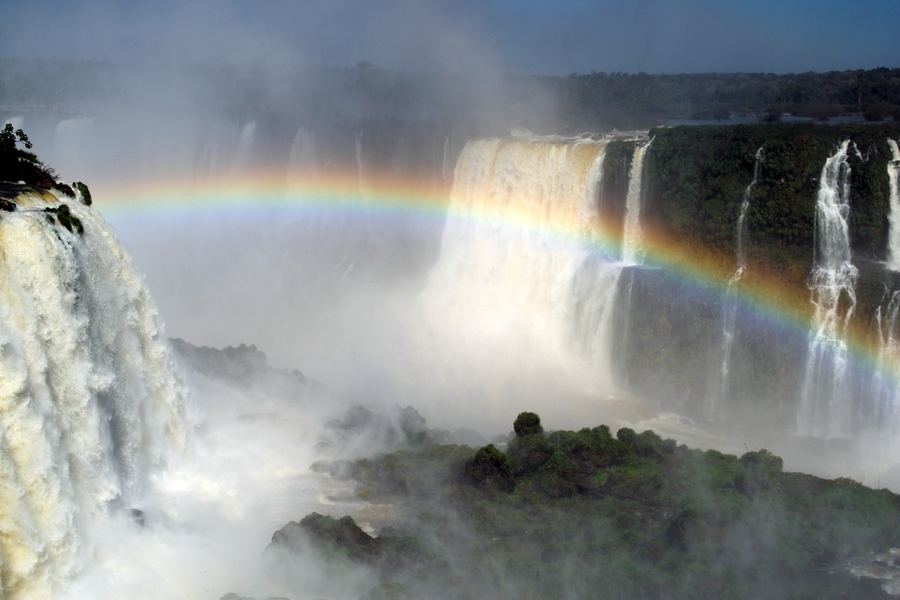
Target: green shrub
x,y
491,468
527,453
85,193
527,423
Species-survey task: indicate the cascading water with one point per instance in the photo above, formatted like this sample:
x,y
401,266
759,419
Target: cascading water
x,y
360,161
447,162
521,278
893,168
825,404
884,393
730,303
303,156
90,400
632,255
245,145
566,291
632,232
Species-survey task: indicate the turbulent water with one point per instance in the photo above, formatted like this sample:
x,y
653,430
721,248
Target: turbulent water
x,y
90,400
826,406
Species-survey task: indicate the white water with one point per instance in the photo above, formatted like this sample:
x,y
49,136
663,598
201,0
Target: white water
x,y
90,401
517,282
360,161
893,262
632,233
548,191
885,391
825,405
730,304
245,145
303,156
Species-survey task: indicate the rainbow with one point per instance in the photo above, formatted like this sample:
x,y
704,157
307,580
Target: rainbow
x,y
766,297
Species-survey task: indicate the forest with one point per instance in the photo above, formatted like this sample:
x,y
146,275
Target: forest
x,y
589,513
548,104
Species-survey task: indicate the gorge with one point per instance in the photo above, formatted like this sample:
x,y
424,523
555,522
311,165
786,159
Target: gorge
x,y
730,283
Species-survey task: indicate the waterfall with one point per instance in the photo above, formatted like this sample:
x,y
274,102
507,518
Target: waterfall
x,y
90,400
730,303
514,255
245,145
360,161
885,394
447,162
825,406
303,156
632,233
893,262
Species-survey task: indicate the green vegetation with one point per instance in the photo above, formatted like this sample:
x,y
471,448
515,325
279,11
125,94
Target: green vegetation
x,y
527,423
65,218
589,514
695,180
697,176
17,164
627,100
85,193
571,104
20,165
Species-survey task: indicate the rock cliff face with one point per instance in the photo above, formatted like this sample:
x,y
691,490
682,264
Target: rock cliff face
x,y
729,273
744,205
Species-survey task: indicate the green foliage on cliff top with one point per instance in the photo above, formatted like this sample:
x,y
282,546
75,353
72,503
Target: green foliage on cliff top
x,y
697,176
18,164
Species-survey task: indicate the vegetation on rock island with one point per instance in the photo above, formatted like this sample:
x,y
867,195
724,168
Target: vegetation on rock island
x,y
586,513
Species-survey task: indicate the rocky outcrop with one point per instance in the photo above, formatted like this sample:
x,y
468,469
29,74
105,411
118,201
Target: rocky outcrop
x,y
244,366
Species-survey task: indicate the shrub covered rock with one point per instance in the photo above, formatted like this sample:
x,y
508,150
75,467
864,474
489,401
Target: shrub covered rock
x,y
636,515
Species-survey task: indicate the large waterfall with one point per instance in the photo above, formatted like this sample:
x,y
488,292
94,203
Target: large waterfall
x,y
548,190
518,244
90,400
825,408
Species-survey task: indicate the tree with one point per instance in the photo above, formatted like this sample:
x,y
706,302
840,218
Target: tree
x,y
527,423
17,164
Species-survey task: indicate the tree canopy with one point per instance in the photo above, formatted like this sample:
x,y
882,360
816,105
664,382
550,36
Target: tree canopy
x,y
18,164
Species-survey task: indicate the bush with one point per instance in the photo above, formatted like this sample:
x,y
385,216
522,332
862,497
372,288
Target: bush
x,y
20,165
528,453
527,423
491,468
85,193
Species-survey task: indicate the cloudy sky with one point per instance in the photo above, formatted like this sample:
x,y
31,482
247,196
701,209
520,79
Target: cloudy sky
x,y
554,37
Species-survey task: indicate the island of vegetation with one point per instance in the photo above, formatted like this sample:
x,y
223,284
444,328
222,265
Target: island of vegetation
x,y
589,514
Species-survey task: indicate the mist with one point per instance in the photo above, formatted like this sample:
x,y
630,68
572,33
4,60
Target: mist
x,y
195,123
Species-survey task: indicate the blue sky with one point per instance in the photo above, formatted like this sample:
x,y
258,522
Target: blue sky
x,y
553,37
